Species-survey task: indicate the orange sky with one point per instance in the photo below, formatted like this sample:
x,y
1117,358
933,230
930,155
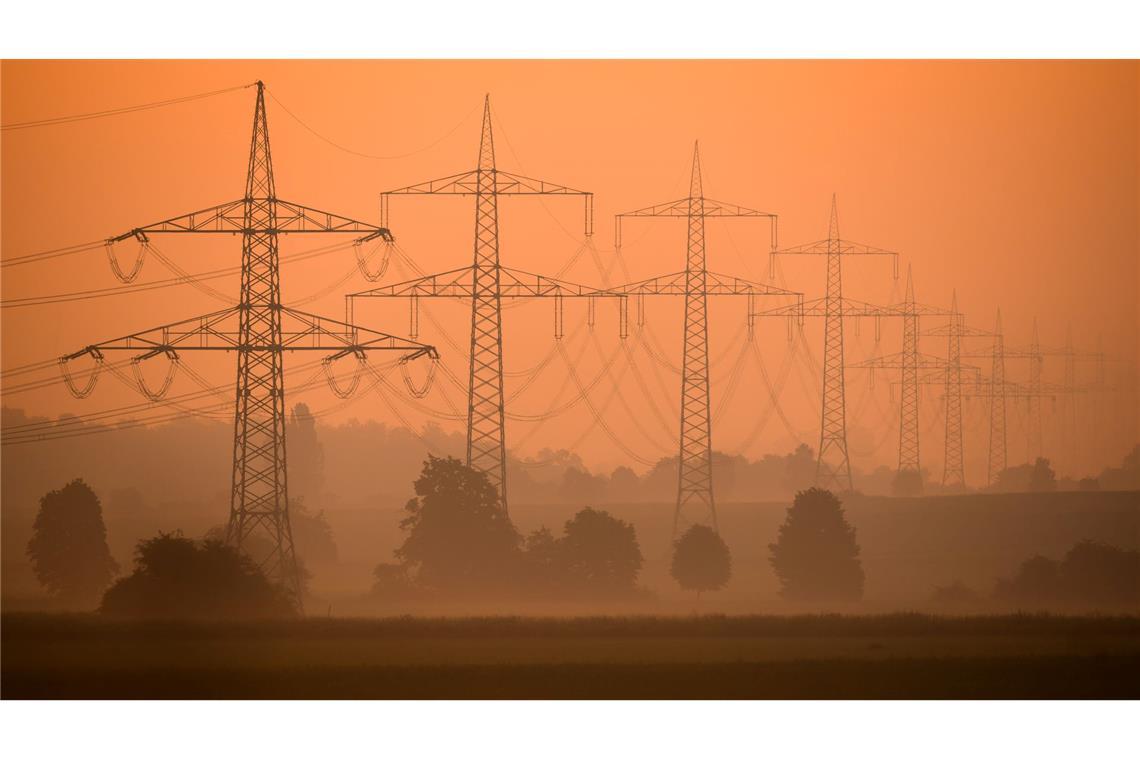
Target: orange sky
x,y
1015,183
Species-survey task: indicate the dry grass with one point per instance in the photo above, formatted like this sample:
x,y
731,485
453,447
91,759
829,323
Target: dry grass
x,y
616,657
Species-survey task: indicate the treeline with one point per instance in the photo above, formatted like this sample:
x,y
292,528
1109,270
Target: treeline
x,y
185,466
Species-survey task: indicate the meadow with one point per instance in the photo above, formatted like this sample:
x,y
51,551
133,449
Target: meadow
x,y
698,657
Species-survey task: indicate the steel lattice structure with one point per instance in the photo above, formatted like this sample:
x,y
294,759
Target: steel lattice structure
x,y
833,467
259,329
695,284
487,283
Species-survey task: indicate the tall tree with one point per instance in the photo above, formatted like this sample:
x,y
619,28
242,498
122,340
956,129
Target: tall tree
x,y
459,537
816,557
68,548
701,560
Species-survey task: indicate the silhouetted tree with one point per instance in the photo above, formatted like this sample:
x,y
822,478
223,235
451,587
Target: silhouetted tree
x,y
599,553
907,483
176,577
390,583
701,561
543,560
306,456
624,484
799,468
459,537
1036,582
68,548
1095,573
1014,479
579,486
1042,478
816,557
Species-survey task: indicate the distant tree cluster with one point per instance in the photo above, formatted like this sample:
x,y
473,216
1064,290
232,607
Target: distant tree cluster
x,y
460,542
1091,574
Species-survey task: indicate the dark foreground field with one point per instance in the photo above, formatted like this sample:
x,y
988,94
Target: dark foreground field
x,y
893,656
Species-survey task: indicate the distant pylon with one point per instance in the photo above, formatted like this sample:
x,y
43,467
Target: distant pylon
x,y
833,468
695,481
909,460
695,501
997,450
953,474
486,439
1034,433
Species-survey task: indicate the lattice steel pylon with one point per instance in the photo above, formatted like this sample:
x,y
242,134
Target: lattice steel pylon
x,y
996,462
695,481
694,478
833,467
953,471
259,329
909,361
909,459
486,433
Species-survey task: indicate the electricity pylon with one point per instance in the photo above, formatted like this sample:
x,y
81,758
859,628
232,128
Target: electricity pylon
x,y
833,468
259,329
909,361
696,283
483,282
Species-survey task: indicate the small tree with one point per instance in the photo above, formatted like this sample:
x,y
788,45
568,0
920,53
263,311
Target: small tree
x,y
701,561
907,483
600,553
816,557
1042,478
68,548
459,537
175,577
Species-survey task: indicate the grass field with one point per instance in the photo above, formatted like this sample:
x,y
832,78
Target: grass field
x,y
890,656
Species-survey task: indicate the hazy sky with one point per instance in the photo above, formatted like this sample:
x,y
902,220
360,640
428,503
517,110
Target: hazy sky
x,y
1014,183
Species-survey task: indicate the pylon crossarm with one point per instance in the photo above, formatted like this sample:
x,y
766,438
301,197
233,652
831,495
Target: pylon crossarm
x,y
215,331
231,218
678,207
896,361
715,285
943,331
455,283
818,307
467,183
843,247
311,332
515,283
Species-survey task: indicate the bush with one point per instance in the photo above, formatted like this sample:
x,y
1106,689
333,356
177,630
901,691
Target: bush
x,y
176,577
1091,574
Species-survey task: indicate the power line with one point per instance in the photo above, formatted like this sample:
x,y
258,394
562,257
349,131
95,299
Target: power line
x,y
117,111
361,154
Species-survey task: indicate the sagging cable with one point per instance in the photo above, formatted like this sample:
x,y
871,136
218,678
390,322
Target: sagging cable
x,y
140,381
127,277
362,259
354,383
419,392
92,378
